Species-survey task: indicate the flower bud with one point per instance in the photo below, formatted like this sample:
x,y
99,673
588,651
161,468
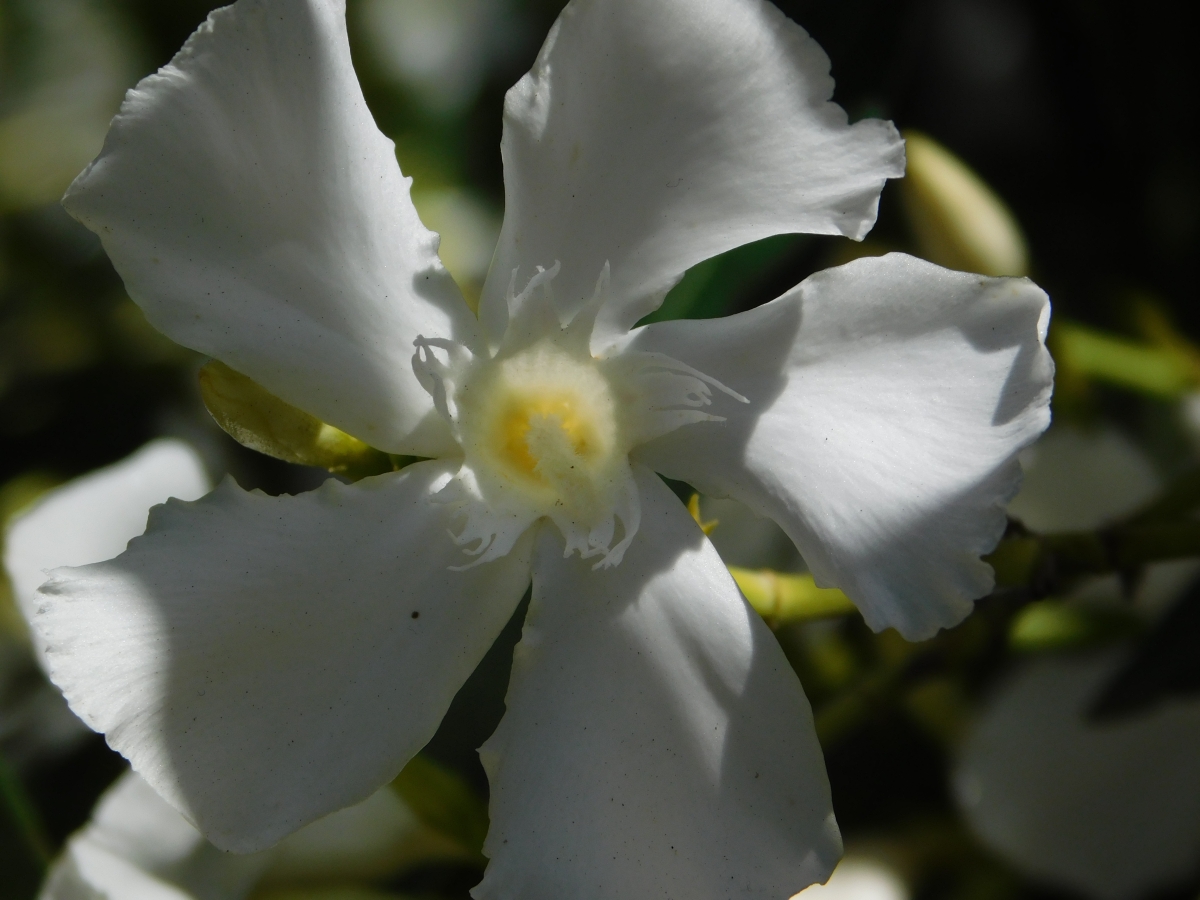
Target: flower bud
x,y
958,221
257,419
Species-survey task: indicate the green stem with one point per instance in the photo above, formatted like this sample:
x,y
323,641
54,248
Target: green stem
x,y
1050,564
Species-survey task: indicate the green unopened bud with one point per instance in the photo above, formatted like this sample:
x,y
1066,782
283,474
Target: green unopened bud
x,y
1056,625
958,221
445,804
257,419
781,598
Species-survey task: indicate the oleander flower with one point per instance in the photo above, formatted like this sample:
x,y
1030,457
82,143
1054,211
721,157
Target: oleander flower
x,y
265,660
1109,810
91,518
138,846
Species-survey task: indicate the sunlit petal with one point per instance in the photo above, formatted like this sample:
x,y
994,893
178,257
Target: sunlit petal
x,y
257,215
280,657
92,518
656,742
888,401
655,135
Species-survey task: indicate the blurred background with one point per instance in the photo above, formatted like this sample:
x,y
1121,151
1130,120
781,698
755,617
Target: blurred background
x,y
1054,138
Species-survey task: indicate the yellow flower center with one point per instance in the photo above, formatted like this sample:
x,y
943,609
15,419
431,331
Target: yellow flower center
x,y
546,428
545,420
535,431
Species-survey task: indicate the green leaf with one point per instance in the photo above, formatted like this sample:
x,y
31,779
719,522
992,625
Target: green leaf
x,y
710,288
24,848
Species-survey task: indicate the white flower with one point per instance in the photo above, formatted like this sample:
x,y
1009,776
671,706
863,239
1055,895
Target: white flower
x,y
1108,809
1077,480
137,846
88,519
441,50
263,661
91,518
859,878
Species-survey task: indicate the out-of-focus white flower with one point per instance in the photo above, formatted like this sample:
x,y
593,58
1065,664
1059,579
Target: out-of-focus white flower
x,y
859,878
35,724
86,520
1077,479
93,517
441,49
1109,809
1189,413
283,657
137,847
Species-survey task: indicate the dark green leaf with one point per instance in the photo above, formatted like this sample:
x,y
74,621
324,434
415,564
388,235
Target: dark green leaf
x,y
713,287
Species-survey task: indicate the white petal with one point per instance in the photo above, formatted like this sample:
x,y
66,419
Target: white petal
x,y
263,661
136,840
86,520
88,872
655,135
257,215
93,517
137,845
1111,810
888,401
656,742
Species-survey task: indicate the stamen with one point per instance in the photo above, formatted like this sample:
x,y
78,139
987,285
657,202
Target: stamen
x,y
546,428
